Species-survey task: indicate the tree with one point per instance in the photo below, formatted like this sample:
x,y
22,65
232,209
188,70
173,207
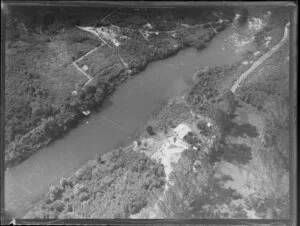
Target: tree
x,y
51,128
150,131
187,191
244,17
48,20
221,119
230,102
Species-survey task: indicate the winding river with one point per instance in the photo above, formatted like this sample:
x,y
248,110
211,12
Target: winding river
x,y
124,114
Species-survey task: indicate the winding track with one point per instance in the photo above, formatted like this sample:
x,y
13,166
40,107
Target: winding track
x,y
261,60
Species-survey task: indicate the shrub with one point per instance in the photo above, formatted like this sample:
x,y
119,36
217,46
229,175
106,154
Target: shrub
x,y
83,174
78,188
150,130
63,182
57,206
204,129
51,128
191,138
56,192
83,196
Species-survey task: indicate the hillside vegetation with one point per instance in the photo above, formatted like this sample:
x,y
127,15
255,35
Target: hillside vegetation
x,y
113,186
46,94
232,162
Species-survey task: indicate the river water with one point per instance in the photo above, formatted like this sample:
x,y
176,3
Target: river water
x,y
125,113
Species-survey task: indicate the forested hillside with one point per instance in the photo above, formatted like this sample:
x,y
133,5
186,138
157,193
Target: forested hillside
x,y
114,186
46,93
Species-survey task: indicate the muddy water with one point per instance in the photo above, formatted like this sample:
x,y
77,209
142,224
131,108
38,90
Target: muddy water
x,y
124,114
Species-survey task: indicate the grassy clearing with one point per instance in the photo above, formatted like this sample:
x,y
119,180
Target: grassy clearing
x,y
268,180
103,62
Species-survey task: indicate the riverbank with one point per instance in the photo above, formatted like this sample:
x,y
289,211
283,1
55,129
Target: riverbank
x,y
127,112
239,162
56,100
218,164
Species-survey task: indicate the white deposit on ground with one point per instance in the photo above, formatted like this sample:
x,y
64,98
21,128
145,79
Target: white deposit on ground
x,y
256,53
237,16
242,177
148,25
181,130
255,24
169,152
166,151
185,25
86,112
85,68
268,40
145,34
239,41
108,34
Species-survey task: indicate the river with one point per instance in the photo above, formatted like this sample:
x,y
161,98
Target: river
x,y
124,114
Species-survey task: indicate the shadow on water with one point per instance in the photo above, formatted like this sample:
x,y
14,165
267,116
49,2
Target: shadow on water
x,y
242,130
239,153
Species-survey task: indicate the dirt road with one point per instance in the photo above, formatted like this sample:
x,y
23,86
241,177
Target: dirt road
x,y
262,59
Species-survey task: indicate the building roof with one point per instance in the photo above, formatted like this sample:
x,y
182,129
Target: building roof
x,y
181,130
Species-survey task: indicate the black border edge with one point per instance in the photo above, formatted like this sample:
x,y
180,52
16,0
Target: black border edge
x,y
293,118
293,114
2,115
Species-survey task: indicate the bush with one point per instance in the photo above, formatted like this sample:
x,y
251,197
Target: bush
x,y
79,188
52,129
204,129
55,192
191,138
150,131
65,182
244,16
57,206
84,173
83,196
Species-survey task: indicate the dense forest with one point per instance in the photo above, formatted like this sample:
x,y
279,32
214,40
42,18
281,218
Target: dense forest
x,y
40,108
113,186
42,43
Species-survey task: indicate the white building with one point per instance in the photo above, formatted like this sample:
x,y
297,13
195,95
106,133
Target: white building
x,y
181,130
